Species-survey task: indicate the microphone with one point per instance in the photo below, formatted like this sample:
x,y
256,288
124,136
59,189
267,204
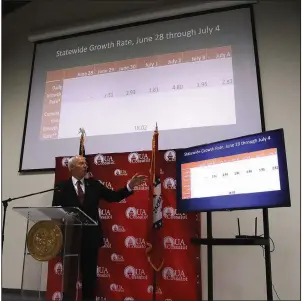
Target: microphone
x,y
4,202
5,205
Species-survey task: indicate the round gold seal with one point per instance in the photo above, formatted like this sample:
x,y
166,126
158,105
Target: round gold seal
x,y
44,240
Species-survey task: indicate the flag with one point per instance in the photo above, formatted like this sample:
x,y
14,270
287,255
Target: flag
x,y
83,153
82,143
155,245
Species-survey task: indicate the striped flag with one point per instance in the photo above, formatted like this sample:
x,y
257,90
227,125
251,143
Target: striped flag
x,y
155,245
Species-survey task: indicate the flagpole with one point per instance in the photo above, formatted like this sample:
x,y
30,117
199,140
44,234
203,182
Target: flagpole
x,y
154,285
154,271
153,176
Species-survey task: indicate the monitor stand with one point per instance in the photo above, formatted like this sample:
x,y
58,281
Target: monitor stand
x,y
240,240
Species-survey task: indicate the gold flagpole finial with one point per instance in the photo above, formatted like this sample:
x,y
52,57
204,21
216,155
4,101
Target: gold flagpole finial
x,y
82,131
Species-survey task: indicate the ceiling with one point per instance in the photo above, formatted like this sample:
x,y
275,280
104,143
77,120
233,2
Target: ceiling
x,y
8,6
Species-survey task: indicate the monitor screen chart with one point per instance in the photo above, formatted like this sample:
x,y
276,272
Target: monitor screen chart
x,y
247,172
238,174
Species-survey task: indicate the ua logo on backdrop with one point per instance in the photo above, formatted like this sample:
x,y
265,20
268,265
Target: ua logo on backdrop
x,y
117,228
134,274
103,160
65,161
105,214
170,183
134,213
120,172
138,158
170,156
171,243
102,272
171,213
58,268
132,242
57,296
150,290
116,288
116,257
177,275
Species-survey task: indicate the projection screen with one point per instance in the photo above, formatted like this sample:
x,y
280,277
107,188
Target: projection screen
x,y
195,76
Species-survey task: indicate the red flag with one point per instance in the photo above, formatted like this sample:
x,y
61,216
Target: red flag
x,y
155,245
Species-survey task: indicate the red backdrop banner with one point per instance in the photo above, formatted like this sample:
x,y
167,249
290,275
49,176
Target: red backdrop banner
x,y
123,270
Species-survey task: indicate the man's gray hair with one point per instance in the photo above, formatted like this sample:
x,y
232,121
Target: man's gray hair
x,y
72,162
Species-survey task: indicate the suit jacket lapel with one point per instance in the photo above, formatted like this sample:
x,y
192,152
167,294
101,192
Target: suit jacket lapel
x,y
87,190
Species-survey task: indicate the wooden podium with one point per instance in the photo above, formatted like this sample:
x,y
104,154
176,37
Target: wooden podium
x,y
52,232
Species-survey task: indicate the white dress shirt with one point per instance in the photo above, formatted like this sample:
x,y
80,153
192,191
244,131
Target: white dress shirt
x,y
75,185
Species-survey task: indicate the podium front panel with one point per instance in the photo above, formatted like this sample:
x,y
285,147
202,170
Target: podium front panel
x,y
68,226
34,274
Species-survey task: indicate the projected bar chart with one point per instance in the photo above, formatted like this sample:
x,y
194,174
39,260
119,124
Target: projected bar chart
x,y
237,174
196,85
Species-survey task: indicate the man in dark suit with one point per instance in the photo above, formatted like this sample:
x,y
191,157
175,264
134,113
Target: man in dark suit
x,y
85,194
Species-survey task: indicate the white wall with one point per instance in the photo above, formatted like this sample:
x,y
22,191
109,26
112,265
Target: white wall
x,y
239,271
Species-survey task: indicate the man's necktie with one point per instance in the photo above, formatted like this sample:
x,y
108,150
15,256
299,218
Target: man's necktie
x,y
80,192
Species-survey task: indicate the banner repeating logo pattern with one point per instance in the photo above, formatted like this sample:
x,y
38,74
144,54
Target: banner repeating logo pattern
x,y
123,270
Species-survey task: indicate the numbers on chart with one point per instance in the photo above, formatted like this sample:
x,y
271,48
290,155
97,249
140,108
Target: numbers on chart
x,y
153,90
262,169
177,87
214,176
130,92
236,173
202,84
227,81
108,95
232,192
140,127
225,174
249,171
159,36
275,167
237,144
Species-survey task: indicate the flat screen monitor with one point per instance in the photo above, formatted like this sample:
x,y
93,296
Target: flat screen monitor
x,y
248,172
